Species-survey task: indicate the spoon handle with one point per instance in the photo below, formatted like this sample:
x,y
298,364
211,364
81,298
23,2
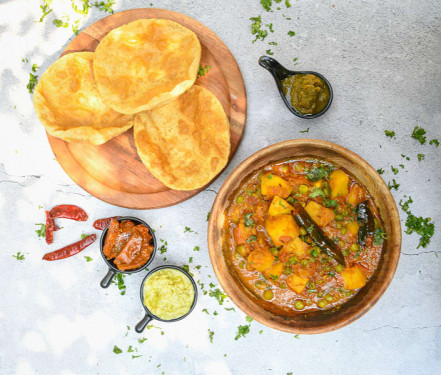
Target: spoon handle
x,y
273,66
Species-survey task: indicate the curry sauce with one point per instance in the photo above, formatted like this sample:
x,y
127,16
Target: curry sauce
x,y
277,260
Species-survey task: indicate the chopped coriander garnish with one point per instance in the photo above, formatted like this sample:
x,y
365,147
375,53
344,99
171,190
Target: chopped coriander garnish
x,y
203,70
242,331
420,157
219,295
42,231
208,215
83,236
395,170
188,229
404,156
34,68
319,173
272,43
379,236
393,185
33,80
142,340
19,256
136,356
196,248
266,4
105,6
296,336
60,23
268,52
304,131
287,4
205,311
88,259
424,227
45,9
380,171
117,350
434,142
418,134
163,247
210,335
389,133
230,309
249,319
130,349
256,29
317,192
190,260
291,33
120,283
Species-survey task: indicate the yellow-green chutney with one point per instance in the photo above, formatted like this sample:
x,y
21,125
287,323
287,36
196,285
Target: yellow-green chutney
x,y
168,294
307,93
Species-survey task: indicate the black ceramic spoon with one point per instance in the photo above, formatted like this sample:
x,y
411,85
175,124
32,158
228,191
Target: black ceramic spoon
x,y
279,73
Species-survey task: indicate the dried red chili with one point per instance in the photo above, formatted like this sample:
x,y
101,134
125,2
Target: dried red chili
x,y
102,224
49,236
69,211
70,250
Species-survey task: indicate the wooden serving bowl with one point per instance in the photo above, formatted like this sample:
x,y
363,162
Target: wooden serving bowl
x,y
317,321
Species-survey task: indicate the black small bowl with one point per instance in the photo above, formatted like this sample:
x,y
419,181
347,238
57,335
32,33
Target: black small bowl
x,y
148,314
279,73
113,269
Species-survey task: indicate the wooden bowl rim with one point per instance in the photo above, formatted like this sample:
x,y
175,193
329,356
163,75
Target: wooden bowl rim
x,y
226,280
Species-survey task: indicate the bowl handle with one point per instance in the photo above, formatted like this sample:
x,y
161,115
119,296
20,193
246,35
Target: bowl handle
x,y
274,67
143,323
107,280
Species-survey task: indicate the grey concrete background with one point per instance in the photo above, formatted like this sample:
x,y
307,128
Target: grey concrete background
x,y
384,62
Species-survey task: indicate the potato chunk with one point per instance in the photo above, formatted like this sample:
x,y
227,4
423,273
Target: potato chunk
x,y
296,247
356,195
274,272
297,282
279,206
353,278
353,227
338,181
282,229
272,185
320,214
260,260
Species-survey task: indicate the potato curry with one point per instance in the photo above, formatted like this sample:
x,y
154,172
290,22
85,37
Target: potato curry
x,y
303,235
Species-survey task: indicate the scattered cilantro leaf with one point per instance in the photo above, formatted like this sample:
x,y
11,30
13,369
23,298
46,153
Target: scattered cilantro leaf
x,y
304,131
142,340
88,259
248,222
242,331
208,215
117,350
42,231
291,33
210,335
188,230
317,192
395,170
249,319
196,248
268,52
33,80
379,236
434,142
163,247
120,282
393,185
19,256
219,295
380,171
418,134
45,9
319,173
389,133
420,157
256,29
203,70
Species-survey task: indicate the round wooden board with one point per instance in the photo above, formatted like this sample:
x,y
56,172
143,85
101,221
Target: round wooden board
x,y
113,172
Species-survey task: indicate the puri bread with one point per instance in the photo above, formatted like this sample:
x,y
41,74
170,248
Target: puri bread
x,y
186,142
146,63
69,106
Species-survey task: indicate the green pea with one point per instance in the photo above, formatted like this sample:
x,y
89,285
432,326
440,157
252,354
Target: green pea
x,y
304,262
268,294
329,298
321,303
343,230
338,217
284,168
291,200
348,293
282,285
354,247
339,268
241,250
259,177
299,305
242,264
345,252
293,260
260,284
287,270
303,189
303,231
345,212
315,251
239,199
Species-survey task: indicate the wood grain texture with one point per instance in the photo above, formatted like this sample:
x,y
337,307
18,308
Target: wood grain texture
x,y
318,321
113,172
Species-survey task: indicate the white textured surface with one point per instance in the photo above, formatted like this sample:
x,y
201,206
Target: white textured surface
x,y
384,62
